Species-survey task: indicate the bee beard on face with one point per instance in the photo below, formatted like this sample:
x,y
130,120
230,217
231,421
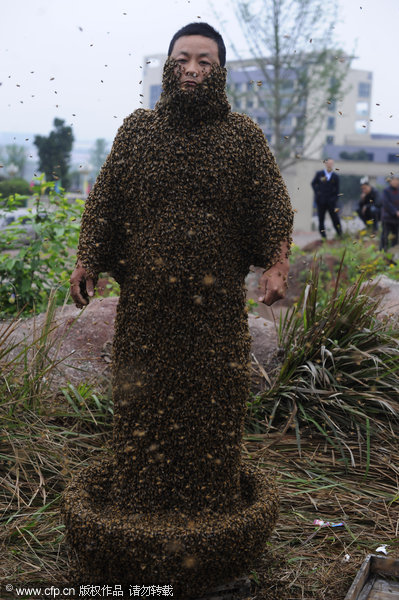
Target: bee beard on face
x,y
207,100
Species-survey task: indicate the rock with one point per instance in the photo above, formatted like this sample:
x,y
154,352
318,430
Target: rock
x,y
388,291
264,338
264,352
81,341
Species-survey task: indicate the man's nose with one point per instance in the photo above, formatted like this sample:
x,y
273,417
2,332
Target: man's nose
x,y
192,68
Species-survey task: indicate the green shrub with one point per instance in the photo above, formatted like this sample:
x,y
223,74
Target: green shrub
x,y
340,372
37,251
9,187
362,256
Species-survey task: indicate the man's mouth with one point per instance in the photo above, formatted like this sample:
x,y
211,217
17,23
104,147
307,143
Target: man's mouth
x,y
189,83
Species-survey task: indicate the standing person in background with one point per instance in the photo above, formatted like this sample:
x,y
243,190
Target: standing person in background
x,y
390,214
369,209
326,188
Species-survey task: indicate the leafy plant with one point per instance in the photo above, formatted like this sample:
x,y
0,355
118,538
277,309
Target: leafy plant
x,y
87,403
340,373
362,256
37,251
10,187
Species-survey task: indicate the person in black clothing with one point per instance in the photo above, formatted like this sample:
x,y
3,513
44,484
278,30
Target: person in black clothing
x,y
369,209
326,188
390,214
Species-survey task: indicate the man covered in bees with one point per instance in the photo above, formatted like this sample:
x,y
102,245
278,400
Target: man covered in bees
x,y
188,199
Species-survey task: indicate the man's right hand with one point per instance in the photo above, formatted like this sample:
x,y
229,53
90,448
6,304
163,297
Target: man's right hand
x,y
82,286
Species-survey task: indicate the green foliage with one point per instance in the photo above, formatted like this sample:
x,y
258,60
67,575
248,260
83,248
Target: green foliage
x,y
17,185
293,74
252,305
37,252
55,152
362,256
88,404
340,373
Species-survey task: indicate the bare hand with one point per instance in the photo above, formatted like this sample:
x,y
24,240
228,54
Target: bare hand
x,y
273,284
82,286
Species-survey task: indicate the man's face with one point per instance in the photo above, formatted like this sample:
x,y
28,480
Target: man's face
x,y
394,182
329,165
365,188
195,55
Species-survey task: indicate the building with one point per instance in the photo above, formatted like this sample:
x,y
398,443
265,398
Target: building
x,y
343,132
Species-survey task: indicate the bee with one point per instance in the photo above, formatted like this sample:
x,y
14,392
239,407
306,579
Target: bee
x,y
182,208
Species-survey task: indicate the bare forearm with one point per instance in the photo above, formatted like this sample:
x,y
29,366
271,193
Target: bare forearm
x,y
273,283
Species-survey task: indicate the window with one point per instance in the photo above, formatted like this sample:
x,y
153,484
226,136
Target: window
x,y
393,158
287,84
331,123
332,106
362,109
264,120
361,126
250,103
364,89
330,139
357,155
286,123
155,92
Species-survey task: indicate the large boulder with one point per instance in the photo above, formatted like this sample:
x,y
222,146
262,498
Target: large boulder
x,y
387,291
81,341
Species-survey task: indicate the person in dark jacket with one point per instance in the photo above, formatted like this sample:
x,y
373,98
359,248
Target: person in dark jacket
x,y
390,214
326,188
369,208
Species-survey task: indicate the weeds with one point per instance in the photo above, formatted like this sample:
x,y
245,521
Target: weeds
x,y
331,442
340,373
362,257
45,440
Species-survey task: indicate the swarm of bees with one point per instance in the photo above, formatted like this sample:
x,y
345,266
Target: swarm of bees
x,y
189,197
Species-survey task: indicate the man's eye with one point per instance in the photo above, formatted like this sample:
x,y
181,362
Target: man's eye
x,y
181,60
205,64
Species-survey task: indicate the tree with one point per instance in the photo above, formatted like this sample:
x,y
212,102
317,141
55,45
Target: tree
x,y
55,152
13,154
98,154
290,42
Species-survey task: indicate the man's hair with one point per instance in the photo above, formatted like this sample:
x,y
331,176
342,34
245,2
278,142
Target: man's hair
x,y
205,30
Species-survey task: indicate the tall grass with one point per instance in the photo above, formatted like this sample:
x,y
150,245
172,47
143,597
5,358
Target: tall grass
x,y
340,373
46,435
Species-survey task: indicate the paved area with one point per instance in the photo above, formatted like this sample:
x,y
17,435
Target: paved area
x,y
351,225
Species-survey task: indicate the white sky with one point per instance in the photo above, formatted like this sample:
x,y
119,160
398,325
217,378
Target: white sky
x,y
58,51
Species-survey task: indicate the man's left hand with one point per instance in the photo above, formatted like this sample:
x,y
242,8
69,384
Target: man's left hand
x,y
273,283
